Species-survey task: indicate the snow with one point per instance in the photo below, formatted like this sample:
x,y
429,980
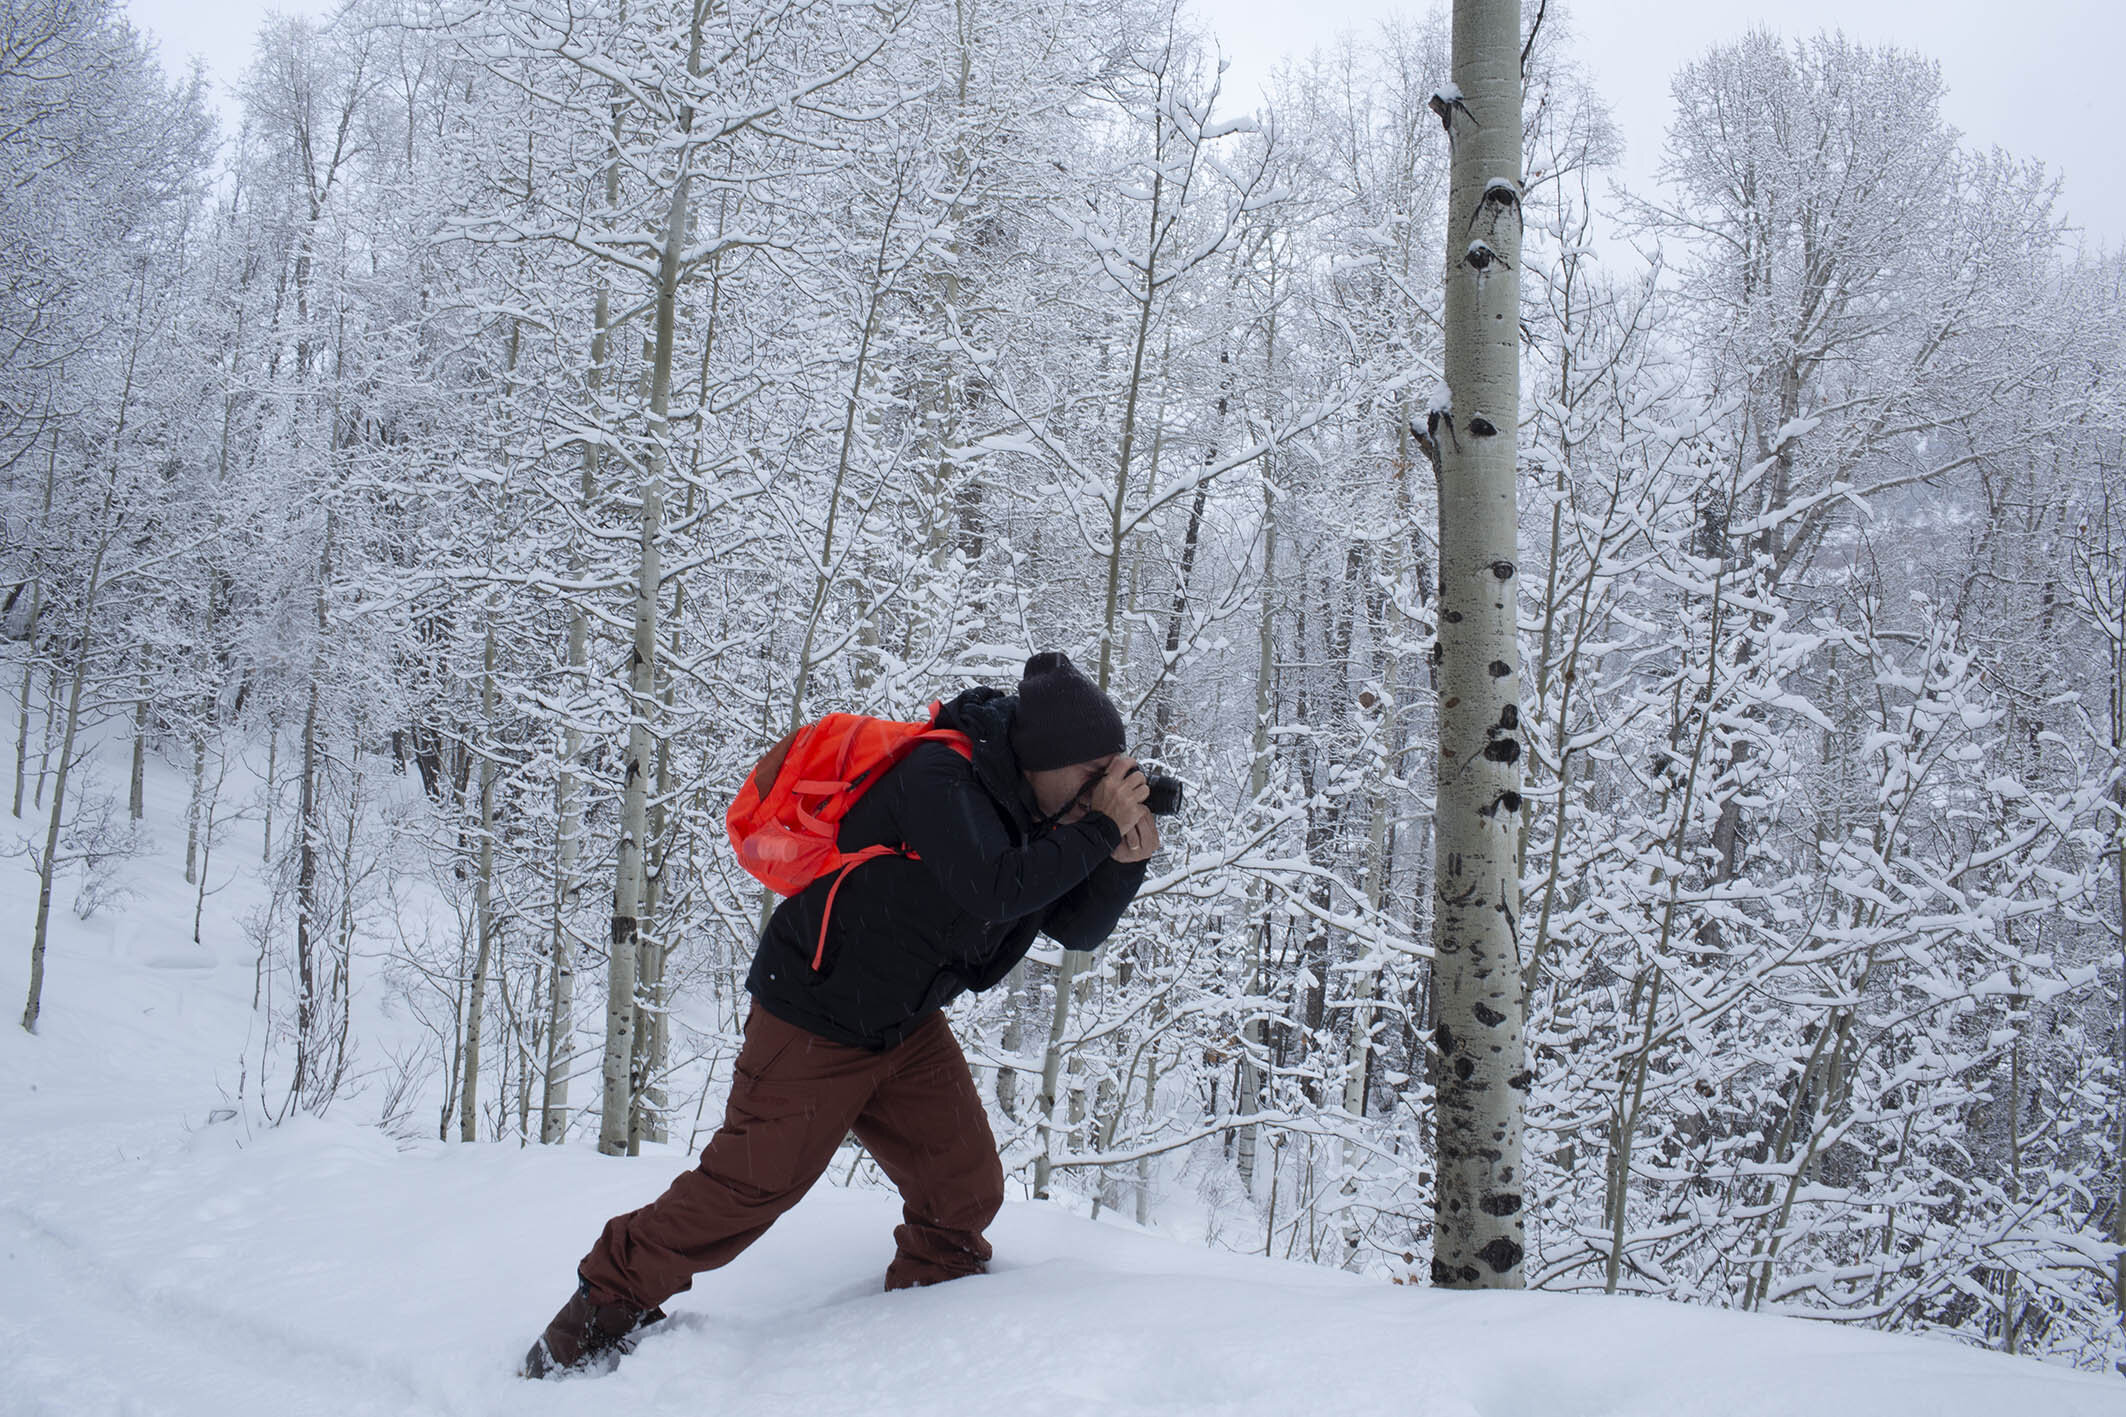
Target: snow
x,y
160,1262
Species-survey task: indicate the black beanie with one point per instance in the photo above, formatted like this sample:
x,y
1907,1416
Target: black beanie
x,y
1063,718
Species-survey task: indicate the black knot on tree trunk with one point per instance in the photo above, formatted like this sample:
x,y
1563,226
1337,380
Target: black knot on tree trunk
x,y
1501,1254
1501,194
1480,257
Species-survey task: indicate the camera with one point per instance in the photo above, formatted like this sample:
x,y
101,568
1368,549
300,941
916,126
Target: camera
x,y
1165,796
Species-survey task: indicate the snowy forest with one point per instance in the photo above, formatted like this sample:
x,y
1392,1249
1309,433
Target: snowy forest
x,y
463,470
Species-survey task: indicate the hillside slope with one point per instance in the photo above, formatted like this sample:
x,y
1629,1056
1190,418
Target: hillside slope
x,y
161,1262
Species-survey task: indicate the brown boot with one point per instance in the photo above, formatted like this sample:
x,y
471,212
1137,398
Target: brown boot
x,y
587,1336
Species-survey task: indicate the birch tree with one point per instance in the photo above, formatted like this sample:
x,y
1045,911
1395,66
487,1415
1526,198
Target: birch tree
x,y
1478,1239
100,158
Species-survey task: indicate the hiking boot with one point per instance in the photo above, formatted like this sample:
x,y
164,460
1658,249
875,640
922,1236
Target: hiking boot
x,y
587,1336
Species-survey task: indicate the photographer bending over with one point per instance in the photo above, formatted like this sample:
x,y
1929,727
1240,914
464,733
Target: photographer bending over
x,y
1037,825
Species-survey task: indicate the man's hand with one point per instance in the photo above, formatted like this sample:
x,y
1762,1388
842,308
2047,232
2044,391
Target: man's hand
x,y
1119,794
1140,841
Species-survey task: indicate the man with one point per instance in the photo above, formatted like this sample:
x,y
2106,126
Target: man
x,y
1043,829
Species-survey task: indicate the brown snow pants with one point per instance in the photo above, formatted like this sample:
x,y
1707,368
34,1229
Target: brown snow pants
x,y
794,1096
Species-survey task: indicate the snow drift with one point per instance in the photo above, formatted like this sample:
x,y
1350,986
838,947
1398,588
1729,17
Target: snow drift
x,y
164,1262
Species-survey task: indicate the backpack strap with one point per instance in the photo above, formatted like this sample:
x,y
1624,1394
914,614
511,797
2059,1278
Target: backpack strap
x,y
819,951
954,739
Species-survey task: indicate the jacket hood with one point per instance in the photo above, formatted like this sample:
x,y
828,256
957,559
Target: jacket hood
x,y
985,715
982,713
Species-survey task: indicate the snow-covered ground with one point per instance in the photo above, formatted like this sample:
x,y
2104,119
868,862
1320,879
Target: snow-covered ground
x,y
159,1261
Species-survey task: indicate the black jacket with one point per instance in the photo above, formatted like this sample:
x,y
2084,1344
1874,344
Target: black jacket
x,y
906,937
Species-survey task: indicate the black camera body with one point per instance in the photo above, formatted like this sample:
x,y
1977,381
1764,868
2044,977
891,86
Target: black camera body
x,y
1166,794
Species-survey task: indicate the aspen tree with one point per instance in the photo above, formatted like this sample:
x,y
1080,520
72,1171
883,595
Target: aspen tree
x,y
29,678
2101,596
194,804
631,886
137,780
483,899
1146,271
1144,289
1478,1239
99,583
308,905
1249,1077
1258,916
29,637
652,1017
35,1003
568,788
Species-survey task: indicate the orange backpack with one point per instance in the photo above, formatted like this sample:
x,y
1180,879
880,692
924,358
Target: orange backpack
x,y
785,819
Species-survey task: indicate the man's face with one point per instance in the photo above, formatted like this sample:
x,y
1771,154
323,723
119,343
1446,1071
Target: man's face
x,y
1057,788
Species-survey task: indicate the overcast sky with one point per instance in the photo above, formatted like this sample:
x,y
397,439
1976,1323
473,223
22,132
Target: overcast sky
x,y
2038,77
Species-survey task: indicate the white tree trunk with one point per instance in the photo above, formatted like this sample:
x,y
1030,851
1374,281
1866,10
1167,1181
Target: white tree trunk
x,y
568,790
1365,985
1258,925
1014,1040
273,754
210,800
136,792
1478,1239
194,806
35,1004
652,1021
483,913
29,643
29,674
210,712
1067,968
631,888
309,913
561,954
